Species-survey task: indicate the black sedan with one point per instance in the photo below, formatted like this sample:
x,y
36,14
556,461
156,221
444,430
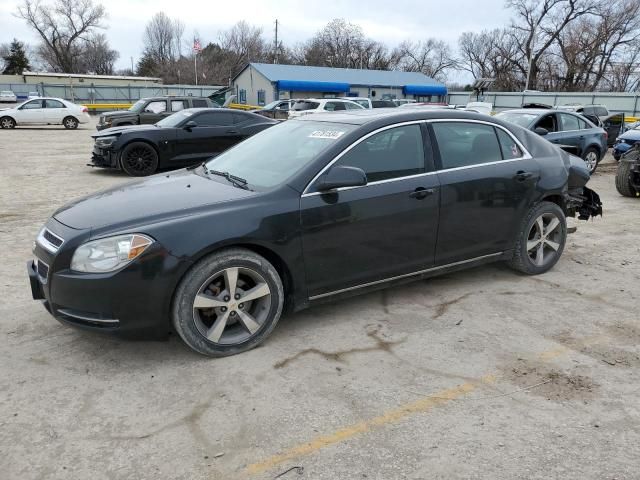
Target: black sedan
x,y
310,210
185,138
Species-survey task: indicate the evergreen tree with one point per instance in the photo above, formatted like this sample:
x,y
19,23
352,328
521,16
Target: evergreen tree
x,y
16,61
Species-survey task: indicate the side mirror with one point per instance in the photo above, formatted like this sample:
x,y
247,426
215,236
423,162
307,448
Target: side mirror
x,y
340,176
189,125
541,131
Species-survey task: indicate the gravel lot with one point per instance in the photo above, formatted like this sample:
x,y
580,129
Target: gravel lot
x,y
478,374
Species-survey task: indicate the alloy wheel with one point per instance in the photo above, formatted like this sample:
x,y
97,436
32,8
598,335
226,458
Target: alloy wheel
x,y
6,123
544,239
140,159
232,305
70,123
591,159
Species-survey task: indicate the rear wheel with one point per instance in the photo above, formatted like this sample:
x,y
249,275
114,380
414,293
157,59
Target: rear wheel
x,y
139,159
541,239
591,157
7,122
228,303
623,179
70,123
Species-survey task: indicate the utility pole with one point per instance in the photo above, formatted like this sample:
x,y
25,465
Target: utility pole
x,y
133,72
275,57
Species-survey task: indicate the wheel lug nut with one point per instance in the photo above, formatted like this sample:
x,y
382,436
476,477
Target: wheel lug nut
x,y
237,296
241,305
227,298
223,309
233,313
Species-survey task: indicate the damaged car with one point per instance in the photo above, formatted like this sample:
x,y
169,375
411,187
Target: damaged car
x,y
628,173
308,211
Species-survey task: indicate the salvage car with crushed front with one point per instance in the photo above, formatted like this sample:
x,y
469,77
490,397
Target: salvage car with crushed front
x,y
218,251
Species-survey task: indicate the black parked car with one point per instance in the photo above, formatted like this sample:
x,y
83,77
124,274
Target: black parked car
x,y
182,139
310,210
148,111
278,110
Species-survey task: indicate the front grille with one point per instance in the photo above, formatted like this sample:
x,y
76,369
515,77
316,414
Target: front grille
x,y
49,240
43,270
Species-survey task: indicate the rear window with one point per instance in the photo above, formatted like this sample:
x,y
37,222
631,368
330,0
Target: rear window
x,y
301,106
198,103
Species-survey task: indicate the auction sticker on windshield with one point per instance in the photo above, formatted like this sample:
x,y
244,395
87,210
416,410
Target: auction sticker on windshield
x,y
332,134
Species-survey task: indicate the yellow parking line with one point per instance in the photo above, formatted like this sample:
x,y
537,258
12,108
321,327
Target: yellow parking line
x,y
422,405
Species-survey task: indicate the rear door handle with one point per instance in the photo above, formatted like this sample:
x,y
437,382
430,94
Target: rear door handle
x,y
521,176
421,192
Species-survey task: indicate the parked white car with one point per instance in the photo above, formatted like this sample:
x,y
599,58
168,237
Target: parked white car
x,y
365,102
45,111
8,96
320,105
32,95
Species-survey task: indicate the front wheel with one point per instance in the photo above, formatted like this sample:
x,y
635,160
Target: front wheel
x,y
139,159
228,303
623,179
541,239
70,123
7,122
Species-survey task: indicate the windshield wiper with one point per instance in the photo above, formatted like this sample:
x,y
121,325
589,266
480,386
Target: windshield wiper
x,y
236,181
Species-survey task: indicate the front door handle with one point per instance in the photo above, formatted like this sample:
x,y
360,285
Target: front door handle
x,y
521,176
421,193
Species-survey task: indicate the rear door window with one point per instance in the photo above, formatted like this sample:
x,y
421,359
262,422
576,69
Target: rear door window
x,y
53,104
199,103
214,119
464,144
569,122
393,153
177,105
334,106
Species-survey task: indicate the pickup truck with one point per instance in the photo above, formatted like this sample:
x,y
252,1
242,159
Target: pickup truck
x,y
151,110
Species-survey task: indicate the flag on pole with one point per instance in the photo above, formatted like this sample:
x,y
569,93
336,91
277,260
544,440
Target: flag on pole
x,y
196,45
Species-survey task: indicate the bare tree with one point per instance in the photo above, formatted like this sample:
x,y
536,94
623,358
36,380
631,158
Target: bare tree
x,y
242,44
98,57
63,26
431,57
162,39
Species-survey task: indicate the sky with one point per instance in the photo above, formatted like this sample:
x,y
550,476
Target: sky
x,y
387,21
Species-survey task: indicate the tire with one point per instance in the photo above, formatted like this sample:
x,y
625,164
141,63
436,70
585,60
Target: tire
x,y
7,122
591,157
70,123
213,322
139,159
526,254
623,179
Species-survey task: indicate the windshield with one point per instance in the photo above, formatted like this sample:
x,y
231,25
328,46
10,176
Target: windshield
x,y
137,107
174,120
522,119
272,156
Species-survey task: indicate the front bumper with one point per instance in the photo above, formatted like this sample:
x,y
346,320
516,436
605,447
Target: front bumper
x,y
134,301
105,158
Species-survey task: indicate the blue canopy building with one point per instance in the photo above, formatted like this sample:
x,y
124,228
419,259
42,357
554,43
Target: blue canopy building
x,y
262,83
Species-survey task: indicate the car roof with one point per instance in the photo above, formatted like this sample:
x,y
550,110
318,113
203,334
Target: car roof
x,y
534,111
366,115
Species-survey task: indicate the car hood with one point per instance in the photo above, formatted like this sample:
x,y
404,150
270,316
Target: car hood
x,y
123,129
631,135
118,113
147,201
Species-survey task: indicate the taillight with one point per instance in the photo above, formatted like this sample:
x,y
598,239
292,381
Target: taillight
x,y
85,110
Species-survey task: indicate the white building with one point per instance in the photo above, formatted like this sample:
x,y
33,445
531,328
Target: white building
x,y
262,83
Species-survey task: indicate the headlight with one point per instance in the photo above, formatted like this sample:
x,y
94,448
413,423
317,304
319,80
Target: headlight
x,y
105,141
109,254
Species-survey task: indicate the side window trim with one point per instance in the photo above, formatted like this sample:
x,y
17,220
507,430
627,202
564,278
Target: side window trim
x,y
436,150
